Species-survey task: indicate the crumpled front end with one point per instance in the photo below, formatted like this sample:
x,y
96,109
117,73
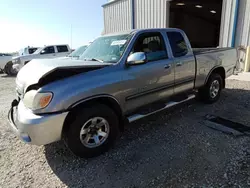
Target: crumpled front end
x,y
35,129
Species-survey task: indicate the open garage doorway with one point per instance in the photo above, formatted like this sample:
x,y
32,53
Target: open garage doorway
x,y
200,19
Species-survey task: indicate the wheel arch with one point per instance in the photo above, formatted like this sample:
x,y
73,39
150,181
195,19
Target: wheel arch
x,y
26,62
108,100
219,70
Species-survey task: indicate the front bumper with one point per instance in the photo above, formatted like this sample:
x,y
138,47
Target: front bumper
x,y
35,129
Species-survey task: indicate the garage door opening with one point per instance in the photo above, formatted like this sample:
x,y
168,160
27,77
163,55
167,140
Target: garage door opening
x,y
200,19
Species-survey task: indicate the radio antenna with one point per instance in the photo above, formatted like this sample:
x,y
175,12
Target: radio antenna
x,y
71,37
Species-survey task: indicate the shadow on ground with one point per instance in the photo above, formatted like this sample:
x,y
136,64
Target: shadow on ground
x,y
170,149
7,76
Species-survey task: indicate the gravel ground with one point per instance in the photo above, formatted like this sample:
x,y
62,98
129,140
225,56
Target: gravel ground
x,y
170,149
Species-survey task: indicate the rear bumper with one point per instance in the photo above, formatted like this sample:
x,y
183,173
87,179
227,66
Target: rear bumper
x,y
35,129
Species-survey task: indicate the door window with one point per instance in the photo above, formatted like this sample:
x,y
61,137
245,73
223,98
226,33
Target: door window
x,y
62,48
48,50
178,44
152,44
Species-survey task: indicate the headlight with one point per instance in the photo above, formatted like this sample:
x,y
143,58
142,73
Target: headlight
x,y
35,100
16,61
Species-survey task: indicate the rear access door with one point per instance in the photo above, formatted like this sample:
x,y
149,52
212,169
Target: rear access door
x,y
184,62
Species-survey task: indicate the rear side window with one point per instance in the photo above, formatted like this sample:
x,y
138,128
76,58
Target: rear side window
x,y
62,48
178,44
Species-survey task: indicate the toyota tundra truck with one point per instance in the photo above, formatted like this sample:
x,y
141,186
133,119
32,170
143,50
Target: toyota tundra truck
x,y
120,78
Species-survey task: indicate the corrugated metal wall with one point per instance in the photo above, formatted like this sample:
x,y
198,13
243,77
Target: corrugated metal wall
x,y
155,13
243,26
227,22
151,14
117,16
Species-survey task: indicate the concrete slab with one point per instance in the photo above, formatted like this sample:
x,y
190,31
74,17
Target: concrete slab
x,y
244,76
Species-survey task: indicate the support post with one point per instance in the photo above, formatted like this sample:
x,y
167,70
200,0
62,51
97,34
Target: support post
x,y
133,14
247,60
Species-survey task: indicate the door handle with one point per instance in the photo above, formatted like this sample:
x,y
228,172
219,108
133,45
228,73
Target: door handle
x,y
167,66
179,64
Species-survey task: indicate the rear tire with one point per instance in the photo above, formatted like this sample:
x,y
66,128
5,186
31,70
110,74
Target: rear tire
x,y
210,93
93,131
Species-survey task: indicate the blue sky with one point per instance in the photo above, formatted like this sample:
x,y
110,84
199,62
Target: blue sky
x,y
44,22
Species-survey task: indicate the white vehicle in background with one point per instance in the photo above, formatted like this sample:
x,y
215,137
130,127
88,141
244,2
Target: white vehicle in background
x,y
46,52
27,50
76,53
4,59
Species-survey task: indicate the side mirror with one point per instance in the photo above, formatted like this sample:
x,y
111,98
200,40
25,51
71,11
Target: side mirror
x,y
42,52
136,58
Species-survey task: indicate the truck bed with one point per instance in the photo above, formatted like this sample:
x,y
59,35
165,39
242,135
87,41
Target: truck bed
x,y
198,51
207,58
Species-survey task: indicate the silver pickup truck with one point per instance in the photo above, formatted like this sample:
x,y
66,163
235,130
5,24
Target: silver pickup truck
x,y
119,78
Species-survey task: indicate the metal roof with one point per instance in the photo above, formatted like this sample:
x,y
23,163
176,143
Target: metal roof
x,y
111,2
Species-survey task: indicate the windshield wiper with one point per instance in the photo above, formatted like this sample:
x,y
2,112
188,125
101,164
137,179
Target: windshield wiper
x,y
94,59
74,56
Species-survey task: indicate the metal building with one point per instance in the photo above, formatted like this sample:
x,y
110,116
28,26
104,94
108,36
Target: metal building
x,y
132,14
208,23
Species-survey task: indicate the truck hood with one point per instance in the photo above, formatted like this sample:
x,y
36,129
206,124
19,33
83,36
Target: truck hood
x,y
43,71
25,57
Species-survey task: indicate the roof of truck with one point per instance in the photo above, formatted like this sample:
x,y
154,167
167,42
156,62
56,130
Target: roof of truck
x,y
56,45
138,30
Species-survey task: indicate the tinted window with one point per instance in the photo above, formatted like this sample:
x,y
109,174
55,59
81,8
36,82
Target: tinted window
x,y
32,50
178,44
62,48
48,50
152,44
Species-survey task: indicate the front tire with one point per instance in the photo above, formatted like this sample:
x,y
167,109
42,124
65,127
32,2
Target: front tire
x,y
8,69
210,93
93,131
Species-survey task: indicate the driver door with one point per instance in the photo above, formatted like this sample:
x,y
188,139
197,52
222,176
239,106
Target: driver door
x,y
48,52
152,81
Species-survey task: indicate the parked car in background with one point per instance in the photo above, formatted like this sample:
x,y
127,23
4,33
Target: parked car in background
x,y
27,50
4,59
46,52
76,53
120,78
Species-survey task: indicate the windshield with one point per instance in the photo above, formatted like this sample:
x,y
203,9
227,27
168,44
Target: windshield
x,y
107,49
22,51
27,51
38,50
78,52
